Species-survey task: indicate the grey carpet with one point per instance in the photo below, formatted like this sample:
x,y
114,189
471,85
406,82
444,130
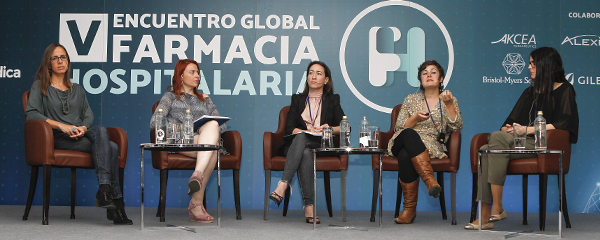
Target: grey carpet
x,y
91,223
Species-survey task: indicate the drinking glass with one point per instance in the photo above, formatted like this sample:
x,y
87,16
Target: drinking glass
x,y
171,133
520,134
327,139
374,140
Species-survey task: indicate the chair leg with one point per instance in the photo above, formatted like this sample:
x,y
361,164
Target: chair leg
x,y
73,185
375,195
267,186
32,186
474,203
236,194
453,196
162,201
398,197
563,205
122,179
286,200
46,193
343,191
327,180
525,186
543,194
440,179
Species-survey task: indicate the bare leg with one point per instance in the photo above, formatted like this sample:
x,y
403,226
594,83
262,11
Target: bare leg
x,y
486,210
497,196
205,160
281,187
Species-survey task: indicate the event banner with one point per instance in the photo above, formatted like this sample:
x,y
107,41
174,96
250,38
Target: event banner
x,y
253,56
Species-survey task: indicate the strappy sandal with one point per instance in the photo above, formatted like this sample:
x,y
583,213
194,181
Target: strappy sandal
x,y
204,218
195,182
276,198
310,220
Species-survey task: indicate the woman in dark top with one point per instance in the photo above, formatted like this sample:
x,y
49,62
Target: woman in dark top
x,y
550,93
310,111
62,104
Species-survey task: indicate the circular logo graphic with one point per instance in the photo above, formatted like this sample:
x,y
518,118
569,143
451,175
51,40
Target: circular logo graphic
x,y
389,62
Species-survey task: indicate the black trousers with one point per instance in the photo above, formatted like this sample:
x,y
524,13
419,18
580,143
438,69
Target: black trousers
x,y
407,145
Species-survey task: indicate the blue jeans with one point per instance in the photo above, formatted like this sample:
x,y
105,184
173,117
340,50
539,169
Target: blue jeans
x,y
299,159
105,154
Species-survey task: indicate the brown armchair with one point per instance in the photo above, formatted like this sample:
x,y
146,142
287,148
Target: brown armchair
x,y
543,165
165,161
273,161
440,166
39,151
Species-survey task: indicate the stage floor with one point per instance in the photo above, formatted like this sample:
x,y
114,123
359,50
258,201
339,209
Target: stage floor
x,y
91,223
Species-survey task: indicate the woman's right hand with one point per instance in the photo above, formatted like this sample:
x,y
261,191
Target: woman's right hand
x,y
508,128
68,129
421,116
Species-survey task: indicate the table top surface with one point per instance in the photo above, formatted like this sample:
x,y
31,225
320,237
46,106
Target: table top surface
x,y
524,151
352,150
179,147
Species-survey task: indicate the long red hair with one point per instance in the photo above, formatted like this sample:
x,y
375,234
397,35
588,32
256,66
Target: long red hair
x,y
176,86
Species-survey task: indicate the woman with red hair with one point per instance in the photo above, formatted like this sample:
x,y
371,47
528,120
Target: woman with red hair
x,y
180,96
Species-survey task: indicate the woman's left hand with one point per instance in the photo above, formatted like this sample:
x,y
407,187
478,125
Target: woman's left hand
x,y
320,128
447,97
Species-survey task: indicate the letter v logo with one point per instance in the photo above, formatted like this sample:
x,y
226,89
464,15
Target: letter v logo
x,y
85,36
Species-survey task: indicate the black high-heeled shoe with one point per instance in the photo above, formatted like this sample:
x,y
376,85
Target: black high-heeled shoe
x,y
276,198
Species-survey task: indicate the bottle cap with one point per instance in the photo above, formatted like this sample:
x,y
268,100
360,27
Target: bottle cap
x,y
160,110
187,110
364,117
540,113
344,117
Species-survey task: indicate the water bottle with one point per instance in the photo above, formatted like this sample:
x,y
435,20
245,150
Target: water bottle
x,y
188,128
364,133
540,131
159,127
345,132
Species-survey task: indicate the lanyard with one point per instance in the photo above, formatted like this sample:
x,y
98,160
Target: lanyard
x,y
312,121
431,115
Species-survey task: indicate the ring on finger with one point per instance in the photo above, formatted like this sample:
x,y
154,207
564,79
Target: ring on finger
x,y
73,129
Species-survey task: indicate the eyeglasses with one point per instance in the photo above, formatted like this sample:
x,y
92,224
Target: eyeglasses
x,y
55,58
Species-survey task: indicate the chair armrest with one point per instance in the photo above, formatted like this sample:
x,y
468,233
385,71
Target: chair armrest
x,y
232,142
39,143
558,139
271,143
478,140
119,136
453,146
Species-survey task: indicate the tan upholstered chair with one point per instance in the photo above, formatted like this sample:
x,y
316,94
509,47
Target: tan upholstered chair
x,y
273,161
164,161
440,165
40,152
542,166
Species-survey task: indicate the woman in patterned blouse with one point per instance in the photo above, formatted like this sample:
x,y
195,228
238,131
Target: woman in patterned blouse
x,y
422,128
182,95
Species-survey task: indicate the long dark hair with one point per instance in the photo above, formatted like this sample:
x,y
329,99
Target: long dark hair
x,y
176,85
549,69
440,71
44,73
328,88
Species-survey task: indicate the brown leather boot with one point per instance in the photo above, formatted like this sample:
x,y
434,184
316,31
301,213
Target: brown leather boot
x,y
410,191
423,166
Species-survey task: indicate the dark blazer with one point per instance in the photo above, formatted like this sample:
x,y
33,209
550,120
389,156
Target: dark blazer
x,y
331,114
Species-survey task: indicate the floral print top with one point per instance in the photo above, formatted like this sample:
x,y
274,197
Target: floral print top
x,y
416,102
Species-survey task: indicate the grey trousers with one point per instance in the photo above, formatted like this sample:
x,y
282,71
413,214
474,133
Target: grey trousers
x,y
494,166
299,159
105,154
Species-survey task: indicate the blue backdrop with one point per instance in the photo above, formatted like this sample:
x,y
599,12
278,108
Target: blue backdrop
x,y
253,56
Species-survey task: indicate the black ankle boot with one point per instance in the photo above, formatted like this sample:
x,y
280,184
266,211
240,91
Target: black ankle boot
x,y
118,215
103,197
